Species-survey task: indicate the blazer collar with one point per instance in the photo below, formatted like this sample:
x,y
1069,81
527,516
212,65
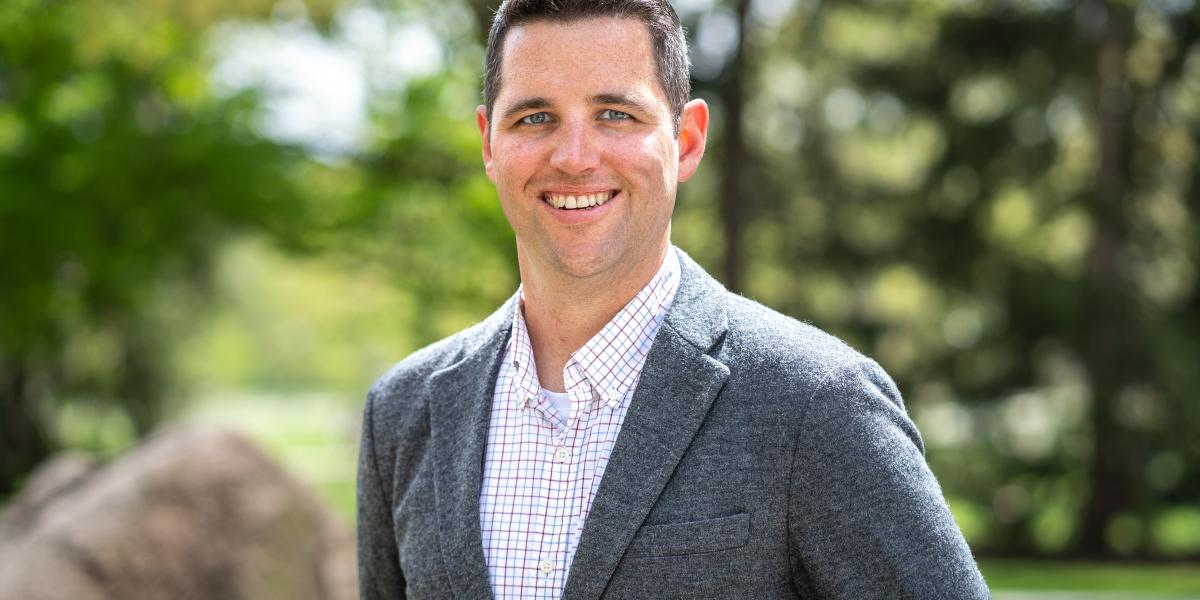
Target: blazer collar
x,y
460,400
698,312
677,386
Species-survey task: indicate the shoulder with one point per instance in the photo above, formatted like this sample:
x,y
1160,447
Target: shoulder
x,y
395,421
753,337
815,380
776,362
804,375
403,389
419,366
771,342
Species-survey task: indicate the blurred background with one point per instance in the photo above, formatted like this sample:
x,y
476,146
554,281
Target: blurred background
x,y
242,212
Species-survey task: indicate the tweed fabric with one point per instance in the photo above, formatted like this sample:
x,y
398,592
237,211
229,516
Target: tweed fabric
x,y
759,458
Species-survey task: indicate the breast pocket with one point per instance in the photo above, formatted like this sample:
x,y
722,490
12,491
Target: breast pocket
x,y
692,537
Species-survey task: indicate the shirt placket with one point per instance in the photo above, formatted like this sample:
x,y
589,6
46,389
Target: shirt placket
x,y
560,461
541,429
564,472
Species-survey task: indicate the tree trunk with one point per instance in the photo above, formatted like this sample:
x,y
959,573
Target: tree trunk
x,y
24,439
1108,337
733,166
141,388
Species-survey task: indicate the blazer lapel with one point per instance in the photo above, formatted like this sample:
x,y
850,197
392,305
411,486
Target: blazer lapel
x,y
460,406
678,385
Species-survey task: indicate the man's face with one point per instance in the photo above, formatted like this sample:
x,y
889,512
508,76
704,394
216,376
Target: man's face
x,y
582,147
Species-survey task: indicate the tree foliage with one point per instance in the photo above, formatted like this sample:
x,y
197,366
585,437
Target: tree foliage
x,y
995,199
998,201
120,173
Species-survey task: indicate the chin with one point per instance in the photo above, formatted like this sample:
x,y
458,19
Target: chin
x,y
581,268
584,263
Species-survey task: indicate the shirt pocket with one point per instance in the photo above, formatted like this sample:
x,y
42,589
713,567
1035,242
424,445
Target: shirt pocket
x,y
692,537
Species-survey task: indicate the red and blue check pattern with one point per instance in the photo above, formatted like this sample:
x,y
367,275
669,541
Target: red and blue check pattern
x,y
542,469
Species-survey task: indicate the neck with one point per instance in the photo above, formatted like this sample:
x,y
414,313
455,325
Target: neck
x,y
562,312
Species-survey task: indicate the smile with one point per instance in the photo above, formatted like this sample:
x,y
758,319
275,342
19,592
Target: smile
x,y
578,201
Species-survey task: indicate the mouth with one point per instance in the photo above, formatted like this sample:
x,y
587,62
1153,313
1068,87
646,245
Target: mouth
x,y
577,201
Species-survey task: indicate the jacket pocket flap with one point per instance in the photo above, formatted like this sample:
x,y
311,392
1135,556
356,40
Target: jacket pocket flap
x,y
692,537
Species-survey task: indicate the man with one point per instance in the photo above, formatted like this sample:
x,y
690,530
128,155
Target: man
x,y
624,427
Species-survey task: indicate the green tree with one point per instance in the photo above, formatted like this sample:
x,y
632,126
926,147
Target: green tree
x,y
120,172
993,198
424,206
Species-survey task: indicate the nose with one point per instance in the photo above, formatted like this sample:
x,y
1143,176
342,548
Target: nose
x,y
575,150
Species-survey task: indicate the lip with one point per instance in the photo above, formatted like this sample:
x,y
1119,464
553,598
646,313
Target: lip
x,y
580,216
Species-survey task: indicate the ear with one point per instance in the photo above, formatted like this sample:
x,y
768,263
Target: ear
x,y
481,120
693,133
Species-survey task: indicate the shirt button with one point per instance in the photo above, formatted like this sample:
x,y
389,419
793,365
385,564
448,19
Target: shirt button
x,y
547,566
611,397
562,455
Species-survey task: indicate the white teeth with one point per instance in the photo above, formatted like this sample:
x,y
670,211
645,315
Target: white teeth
x,y
573,202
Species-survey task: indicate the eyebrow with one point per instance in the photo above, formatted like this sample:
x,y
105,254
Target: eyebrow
x,y
524,105
605,98
619,99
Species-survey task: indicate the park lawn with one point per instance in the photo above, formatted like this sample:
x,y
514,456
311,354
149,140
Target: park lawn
x,y
1167,581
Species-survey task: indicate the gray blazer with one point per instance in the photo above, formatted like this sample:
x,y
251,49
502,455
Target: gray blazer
x,y
760,458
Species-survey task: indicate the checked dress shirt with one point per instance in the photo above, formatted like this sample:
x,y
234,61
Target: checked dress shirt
x,y
542,469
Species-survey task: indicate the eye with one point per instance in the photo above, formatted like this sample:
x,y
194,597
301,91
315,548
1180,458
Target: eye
x,y
536,119
615,115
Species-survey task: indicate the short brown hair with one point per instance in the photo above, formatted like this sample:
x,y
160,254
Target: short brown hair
x,y
666,38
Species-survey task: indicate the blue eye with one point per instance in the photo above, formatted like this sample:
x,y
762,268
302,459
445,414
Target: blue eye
x,y
536,119
615,115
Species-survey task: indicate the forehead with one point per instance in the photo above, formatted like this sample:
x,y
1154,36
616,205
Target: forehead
x,y
548,58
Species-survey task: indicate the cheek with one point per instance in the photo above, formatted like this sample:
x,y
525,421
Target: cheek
x,y
667,150
513,160
646,158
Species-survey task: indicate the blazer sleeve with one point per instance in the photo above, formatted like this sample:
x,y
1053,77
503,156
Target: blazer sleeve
x,y
866,517
379,574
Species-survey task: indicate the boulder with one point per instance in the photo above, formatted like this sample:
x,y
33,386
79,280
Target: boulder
x,y
192,513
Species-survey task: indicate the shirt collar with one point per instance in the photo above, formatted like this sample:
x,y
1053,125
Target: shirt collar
x,y
612,359
520,352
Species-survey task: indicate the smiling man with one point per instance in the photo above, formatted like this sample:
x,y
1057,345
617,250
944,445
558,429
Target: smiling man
x,y
624,427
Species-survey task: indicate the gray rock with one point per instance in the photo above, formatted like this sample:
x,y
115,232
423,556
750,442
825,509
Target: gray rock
x,y
193,513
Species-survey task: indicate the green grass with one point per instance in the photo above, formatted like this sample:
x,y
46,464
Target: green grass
x,y
1165,581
